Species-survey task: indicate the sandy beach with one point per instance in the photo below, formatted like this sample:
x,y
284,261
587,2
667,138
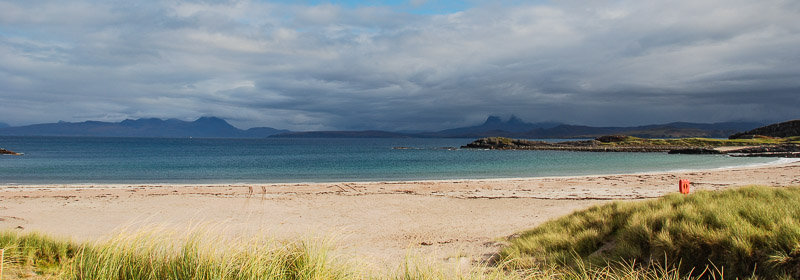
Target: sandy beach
x,y
453,221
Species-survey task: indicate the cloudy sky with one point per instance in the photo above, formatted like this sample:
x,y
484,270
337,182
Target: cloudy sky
x,y
400,65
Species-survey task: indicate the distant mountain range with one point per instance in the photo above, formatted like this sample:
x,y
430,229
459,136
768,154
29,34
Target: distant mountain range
x,y
213,127
208,127
489,127
670,130
517,128
346,134
513,124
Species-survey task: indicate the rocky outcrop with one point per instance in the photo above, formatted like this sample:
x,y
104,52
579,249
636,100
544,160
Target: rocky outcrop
x,y
612,138
789,150
695,151
7,152
502,143
629,144
784,129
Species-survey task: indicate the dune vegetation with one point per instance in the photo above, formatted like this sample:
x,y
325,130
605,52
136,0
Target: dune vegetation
x,y
752,232
160,254
163,255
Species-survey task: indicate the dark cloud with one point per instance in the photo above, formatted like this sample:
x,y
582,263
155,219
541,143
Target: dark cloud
x,y
336,67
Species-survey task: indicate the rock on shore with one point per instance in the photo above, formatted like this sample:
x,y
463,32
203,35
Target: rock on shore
x,y
788,151
696,151
7,152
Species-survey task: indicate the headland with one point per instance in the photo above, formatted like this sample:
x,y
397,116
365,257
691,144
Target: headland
x,y
753,147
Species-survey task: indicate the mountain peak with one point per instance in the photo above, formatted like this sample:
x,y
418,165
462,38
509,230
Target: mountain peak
x,y
495,125
209,119
493,120
212,121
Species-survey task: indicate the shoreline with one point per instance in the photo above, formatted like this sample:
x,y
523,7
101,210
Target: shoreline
x,y
449,221
776,162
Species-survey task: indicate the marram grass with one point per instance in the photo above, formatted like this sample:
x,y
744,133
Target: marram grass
x,y
34,253
157,255
160,254
740,233
165,255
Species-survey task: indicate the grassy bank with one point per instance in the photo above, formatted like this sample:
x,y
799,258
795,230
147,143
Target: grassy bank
x,y
622,143
742,232
165,255
734,233
703,142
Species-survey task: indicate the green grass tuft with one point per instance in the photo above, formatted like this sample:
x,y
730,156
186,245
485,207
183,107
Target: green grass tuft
x,y
158,256
36,253
743,231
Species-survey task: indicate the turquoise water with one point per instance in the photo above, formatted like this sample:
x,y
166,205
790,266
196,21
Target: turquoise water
x,y
50,160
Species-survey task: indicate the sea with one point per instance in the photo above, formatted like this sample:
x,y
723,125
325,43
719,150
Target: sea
x,y
93,160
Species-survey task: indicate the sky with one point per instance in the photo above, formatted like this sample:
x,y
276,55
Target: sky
x,y
400,65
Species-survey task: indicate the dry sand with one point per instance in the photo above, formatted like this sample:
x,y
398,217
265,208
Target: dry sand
x,y
459,221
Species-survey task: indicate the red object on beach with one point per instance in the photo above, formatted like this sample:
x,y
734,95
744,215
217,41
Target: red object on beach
x,y
683,186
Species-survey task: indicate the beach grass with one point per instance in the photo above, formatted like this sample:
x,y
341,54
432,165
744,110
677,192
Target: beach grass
x,y
157,255
751,231
35,253
160,254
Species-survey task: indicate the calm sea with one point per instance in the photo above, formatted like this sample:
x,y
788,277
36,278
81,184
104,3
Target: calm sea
x,y
51,160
